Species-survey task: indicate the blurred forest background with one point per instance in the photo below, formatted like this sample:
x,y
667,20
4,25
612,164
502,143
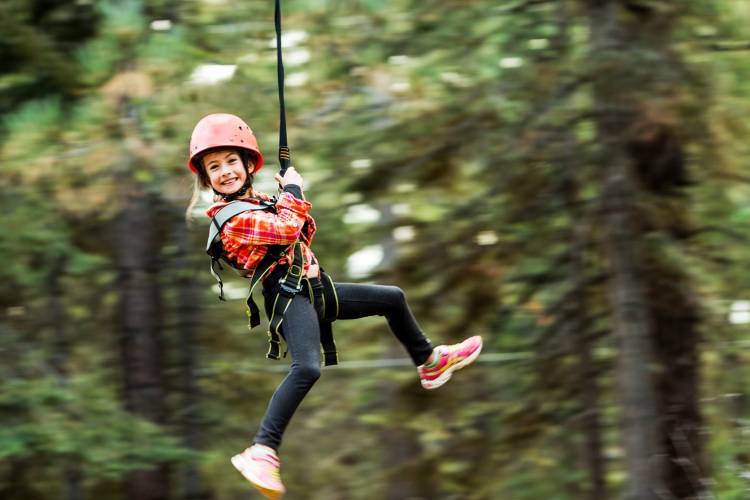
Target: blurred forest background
x,y
568,178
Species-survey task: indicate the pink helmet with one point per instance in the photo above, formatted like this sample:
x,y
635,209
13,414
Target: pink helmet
x,y
222,130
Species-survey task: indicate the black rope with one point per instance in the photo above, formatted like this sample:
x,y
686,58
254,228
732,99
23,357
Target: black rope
x,y
285,156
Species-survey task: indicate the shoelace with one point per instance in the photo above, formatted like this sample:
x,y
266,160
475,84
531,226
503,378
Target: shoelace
x,y
272,460
267,457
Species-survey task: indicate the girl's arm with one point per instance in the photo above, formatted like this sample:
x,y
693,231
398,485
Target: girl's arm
x,y
256,227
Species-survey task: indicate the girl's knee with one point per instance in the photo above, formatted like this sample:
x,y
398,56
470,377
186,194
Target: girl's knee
x,y
309,373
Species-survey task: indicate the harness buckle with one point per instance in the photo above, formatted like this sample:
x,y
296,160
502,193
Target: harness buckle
x,y
289,291
295,270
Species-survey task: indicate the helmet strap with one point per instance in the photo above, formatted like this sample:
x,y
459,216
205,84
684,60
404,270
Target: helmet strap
x,y
241,191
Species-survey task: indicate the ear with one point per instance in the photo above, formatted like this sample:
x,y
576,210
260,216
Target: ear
x,y
247,160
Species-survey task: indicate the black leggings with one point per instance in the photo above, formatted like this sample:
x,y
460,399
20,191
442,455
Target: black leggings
x,y
302,336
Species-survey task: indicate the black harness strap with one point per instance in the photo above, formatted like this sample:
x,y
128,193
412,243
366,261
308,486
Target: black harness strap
x,y
330,298
288,286
329,313
227,212
322,294
275,252
330,355
213,245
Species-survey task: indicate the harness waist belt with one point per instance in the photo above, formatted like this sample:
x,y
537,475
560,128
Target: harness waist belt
x,y
322,295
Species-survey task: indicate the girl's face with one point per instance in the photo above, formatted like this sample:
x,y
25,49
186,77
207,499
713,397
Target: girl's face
x,y
225,170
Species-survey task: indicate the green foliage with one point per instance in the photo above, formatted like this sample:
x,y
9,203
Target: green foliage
x,y
38,41
32,130
123,19
81,421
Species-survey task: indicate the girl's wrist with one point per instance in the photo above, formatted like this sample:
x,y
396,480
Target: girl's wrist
x,y
293,189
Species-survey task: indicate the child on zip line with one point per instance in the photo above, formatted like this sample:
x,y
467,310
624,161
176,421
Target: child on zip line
x,y
269,240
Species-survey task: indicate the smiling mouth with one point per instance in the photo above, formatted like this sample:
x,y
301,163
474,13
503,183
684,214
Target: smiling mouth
x,y
230,181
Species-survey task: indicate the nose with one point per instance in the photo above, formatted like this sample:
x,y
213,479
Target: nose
x,y
224,169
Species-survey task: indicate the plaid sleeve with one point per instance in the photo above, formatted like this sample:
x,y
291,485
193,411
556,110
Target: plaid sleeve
x,y
309,229
266,228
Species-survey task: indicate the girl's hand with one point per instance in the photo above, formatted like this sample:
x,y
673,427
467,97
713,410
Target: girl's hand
x,y
291,176
313,271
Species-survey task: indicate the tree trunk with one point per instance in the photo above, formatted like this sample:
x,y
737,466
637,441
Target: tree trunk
x,y
18,483
676,340
643,451
408,474
644,455
136,256
188,301
656,321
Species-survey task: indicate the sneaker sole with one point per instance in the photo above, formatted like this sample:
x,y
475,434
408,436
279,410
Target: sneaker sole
x,y
446,376
239,463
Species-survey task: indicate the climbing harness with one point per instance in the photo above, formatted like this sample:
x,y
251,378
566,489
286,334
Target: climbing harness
x,y
286,282
281,283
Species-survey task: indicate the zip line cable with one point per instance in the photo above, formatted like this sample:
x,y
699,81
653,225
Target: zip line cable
x,y
490,357
383,363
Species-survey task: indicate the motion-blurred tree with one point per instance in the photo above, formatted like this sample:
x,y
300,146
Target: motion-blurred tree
x,y
39,41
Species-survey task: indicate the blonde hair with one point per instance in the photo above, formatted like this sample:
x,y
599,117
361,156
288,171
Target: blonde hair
x,y
198,188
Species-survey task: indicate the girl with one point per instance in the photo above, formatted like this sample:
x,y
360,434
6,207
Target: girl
x,y
224,155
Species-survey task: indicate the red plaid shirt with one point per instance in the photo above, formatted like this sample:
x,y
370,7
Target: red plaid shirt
x,y
246,236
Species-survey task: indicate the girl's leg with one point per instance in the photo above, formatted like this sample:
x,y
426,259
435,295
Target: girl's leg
x,y
302,336
360,300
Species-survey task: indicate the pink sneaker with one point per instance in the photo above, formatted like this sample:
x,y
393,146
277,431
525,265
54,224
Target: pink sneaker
x,y
260,465
452,358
